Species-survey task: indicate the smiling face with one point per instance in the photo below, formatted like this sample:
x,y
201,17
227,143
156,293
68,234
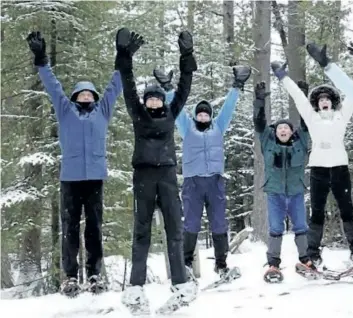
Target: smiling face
x,y
324,103
154,103
283,132
203,117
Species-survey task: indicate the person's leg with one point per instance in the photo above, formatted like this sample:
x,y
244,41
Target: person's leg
x,y
216,212
93,205
341,189
145,191
319,189
297,214
276,205
193,203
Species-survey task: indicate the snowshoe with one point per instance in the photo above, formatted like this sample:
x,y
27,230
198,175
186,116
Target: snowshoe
x,y
190,274
135,300
96,284
307,270
183,295
273,275
70,287
226,276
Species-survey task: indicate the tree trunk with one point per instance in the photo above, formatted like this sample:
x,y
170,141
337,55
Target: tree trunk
x,y
296,51
6,277
190,17
262,54
228,30
54,200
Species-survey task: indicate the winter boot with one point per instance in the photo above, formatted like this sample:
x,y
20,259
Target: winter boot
x,y
273,275
70,287
135,300
96,285
314,236
221,248
183,294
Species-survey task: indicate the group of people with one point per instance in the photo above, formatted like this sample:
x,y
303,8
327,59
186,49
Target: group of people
x,y
83,122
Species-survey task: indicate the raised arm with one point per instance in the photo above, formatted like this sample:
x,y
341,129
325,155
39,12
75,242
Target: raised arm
x,y
60,101
187,65
111,94
241,75
345,84
339,78
301,102
127,44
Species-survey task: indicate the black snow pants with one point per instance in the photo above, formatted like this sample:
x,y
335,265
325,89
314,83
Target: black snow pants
x,y
74,196
321,181
152,185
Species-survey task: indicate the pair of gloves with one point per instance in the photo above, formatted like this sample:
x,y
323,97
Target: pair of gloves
x,y
241,75
261,94
127,44
317,53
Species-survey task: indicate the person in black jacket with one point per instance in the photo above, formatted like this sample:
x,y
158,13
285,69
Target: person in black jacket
x,y
154,162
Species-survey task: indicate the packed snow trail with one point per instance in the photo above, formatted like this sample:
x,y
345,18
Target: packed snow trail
x,y
248,295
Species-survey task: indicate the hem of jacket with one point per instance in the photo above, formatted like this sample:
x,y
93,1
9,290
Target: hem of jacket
x,y
203,175
152,165
283,192
84,179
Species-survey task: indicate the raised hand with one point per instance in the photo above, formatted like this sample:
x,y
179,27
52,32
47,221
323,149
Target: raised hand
x,y
260,91
185,42
279,69
165,80
241,75
37,45
319,55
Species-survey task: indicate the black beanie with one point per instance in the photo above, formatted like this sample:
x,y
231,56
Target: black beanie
x,y
283,121
154,91
203,107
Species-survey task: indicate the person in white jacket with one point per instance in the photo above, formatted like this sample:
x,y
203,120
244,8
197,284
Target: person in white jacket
x,y
327,119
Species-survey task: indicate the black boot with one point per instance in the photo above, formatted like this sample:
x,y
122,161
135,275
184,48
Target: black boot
x,y
96,285
221,248
348,231
314,235
190,240
70,287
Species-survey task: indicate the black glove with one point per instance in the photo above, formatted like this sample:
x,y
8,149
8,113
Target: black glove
x,y
165,80
241,75
37,45
279,69
260,91
126,45
186,44
318,55
187,62
350,48
304,87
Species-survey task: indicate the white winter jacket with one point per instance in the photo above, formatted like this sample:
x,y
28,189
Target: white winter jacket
x,y
327,135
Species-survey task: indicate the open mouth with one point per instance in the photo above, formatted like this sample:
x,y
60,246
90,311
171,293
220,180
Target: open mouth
x,y
325,108
283,135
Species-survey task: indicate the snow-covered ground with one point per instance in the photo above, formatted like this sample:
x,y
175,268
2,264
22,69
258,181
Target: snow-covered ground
x,y
247,296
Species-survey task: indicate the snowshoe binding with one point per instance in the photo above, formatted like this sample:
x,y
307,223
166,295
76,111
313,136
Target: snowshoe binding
x,y
135,300
273,275
307,270
227,275
183,295
96,285
70,287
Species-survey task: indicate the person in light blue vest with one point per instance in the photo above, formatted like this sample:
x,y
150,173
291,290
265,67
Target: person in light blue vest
x,y
83,124
203,166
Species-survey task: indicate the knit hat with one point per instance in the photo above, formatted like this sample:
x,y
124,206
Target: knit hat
x,y
283,121
204,107
154,91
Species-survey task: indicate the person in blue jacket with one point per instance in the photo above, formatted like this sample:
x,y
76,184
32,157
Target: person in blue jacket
x,y
83,124
203,166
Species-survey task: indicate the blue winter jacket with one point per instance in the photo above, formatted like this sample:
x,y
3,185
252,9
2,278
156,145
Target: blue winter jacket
x,y
82,132
203,151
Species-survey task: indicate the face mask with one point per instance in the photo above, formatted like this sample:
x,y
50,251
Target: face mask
x,y
202,126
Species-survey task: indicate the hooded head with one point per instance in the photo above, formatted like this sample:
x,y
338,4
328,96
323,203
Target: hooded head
x,y
203,114
325,98
154,97
284,130
84,92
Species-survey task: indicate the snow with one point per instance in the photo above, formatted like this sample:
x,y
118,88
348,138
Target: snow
x,y
249,295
